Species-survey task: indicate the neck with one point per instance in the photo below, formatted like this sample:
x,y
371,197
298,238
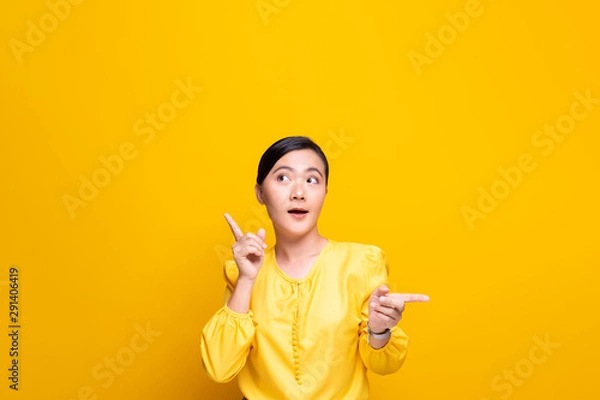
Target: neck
x,y
293,249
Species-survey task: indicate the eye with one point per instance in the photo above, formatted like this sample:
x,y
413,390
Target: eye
x,y
312,179
282,178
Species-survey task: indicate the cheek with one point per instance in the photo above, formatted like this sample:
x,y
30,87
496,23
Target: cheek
x,y
319,196
274,197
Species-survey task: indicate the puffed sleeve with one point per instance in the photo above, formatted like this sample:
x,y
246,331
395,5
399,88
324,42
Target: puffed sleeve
x,y
227,336
390,357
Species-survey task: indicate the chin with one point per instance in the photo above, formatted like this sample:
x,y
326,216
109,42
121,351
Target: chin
x,y
291,230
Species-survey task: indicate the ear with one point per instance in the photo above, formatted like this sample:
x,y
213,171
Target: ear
x,y
259,193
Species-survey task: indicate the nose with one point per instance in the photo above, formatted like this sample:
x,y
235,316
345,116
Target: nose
x,y
297,193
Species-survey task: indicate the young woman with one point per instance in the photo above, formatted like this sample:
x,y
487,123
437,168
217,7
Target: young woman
x,y
305,318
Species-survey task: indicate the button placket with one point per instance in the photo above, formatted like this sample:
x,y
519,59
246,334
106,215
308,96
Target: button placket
x,y
295,342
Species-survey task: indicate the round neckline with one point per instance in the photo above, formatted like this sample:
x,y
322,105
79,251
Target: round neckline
x,y
313,268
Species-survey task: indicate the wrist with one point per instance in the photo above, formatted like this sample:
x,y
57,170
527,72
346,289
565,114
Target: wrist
x,y
245,281
240,297
378,340
378,332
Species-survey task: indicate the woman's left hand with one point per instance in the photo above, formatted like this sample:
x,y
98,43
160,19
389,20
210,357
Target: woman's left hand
x,y
385,308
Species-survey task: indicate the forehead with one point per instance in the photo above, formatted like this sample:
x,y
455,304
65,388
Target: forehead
x,y
301,159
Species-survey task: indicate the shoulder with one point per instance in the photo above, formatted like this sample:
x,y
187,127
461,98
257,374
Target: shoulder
x,y
369,254
364,266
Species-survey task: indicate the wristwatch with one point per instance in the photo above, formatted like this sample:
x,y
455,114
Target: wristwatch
x,y
383,335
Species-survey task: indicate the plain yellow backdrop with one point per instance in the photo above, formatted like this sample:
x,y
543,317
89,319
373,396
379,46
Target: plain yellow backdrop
x,y
463,140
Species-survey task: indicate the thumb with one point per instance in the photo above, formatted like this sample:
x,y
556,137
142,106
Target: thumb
x,y
381,291
262,234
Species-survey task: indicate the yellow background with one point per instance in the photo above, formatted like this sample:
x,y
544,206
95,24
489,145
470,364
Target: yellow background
x,y
417,144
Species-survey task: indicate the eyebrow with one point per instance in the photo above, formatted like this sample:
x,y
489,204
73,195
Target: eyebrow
x,y
306,170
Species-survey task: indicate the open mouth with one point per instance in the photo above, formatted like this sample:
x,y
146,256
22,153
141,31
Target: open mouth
x,y
298,211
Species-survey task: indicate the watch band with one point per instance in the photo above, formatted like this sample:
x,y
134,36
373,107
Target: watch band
x,y
383,335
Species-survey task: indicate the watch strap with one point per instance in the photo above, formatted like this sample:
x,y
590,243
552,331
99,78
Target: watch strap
x,y
383,335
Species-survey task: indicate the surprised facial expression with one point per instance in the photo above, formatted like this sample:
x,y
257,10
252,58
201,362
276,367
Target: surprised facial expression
x,y
294,192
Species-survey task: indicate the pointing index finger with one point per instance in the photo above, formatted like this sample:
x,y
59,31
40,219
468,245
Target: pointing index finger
x,y
409,297
235,229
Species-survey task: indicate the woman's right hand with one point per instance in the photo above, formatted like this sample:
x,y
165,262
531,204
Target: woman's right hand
x,y
248,250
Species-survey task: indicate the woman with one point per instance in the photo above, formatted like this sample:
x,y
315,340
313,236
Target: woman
x,y
305,318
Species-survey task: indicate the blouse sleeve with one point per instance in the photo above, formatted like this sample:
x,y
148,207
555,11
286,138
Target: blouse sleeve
x,y
227,336
390,357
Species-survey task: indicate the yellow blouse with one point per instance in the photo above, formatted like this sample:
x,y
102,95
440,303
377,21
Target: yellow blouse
x,y
304,338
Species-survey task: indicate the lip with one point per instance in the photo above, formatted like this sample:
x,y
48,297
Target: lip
x,y
298,215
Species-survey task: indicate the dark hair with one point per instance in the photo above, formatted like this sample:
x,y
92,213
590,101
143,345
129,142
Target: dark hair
x,y
281,148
